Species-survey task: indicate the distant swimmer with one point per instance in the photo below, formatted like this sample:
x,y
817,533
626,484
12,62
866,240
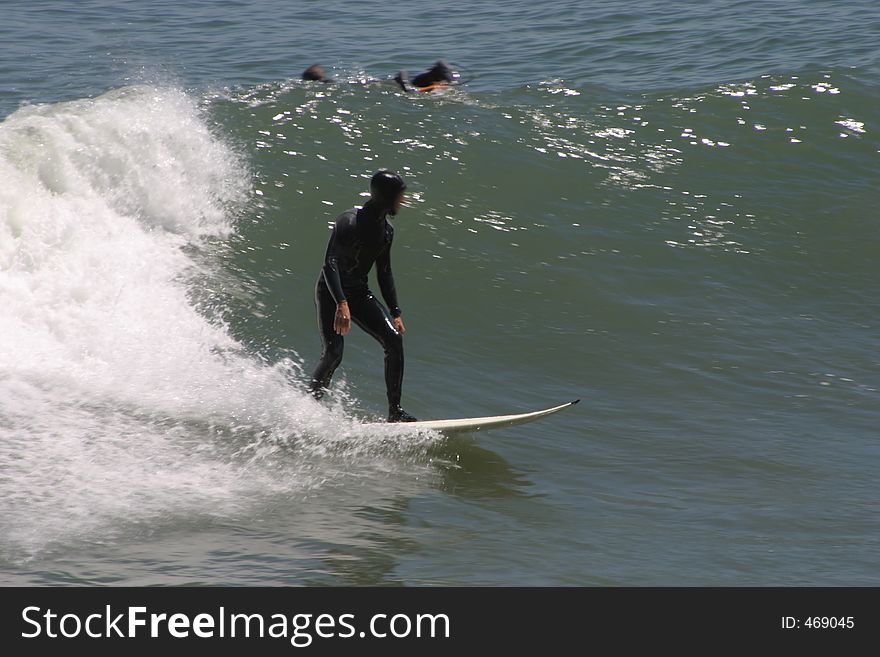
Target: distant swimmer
x,y
437,77
316,73
359,239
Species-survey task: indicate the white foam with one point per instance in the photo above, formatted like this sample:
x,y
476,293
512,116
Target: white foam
x,y
120,402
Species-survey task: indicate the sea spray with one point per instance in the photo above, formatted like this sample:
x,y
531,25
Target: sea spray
x,y
120,400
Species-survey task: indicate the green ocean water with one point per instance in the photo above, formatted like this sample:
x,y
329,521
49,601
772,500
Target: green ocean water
x,y
667,211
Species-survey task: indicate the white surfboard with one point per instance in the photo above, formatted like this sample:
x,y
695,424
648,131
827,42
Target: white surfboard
x,y
468,424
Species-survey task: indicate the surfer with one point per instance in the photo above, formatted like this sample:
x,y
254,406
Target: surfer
x,y
316,73
438,76
360,238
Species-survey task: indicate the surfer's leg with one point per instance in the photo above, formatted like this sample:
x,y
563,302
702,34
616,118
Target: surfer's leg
x,y
371,316
332,342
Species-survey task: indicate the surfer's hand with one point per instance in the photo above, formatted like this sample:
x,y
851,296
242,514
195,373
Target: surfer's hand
x,y
397,322
342,321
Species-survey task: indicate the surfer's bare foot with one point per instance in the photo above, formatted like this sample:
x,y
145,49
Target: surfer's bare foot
x,y
397,414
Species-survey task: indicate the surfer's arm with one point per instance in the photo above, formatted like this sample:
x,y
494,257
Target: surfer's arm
x,y
386,281
402,79
330,271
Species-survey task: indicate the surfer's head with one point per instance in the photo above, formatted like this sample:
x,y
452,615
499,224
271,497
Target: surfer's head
x,y
316,73
386,190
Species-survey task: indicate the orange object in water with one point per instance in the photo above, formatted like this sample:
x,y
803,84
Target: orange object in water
x,y
431,87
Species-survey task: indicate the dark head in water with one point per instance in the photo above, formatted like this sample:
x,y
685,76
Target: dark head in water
x,y
316,73
386,191
439,75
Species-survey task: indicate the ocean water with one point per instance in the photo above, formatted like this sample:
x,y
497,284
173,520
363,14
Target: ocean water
x,y
667,210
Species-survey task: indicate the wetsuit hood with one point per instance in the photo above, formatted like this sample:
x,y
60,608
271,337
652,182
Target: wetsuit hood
x,y
385,187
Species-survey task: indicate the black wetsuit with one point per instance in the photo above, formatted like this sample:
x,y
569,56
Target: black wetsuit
x,y
359,239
